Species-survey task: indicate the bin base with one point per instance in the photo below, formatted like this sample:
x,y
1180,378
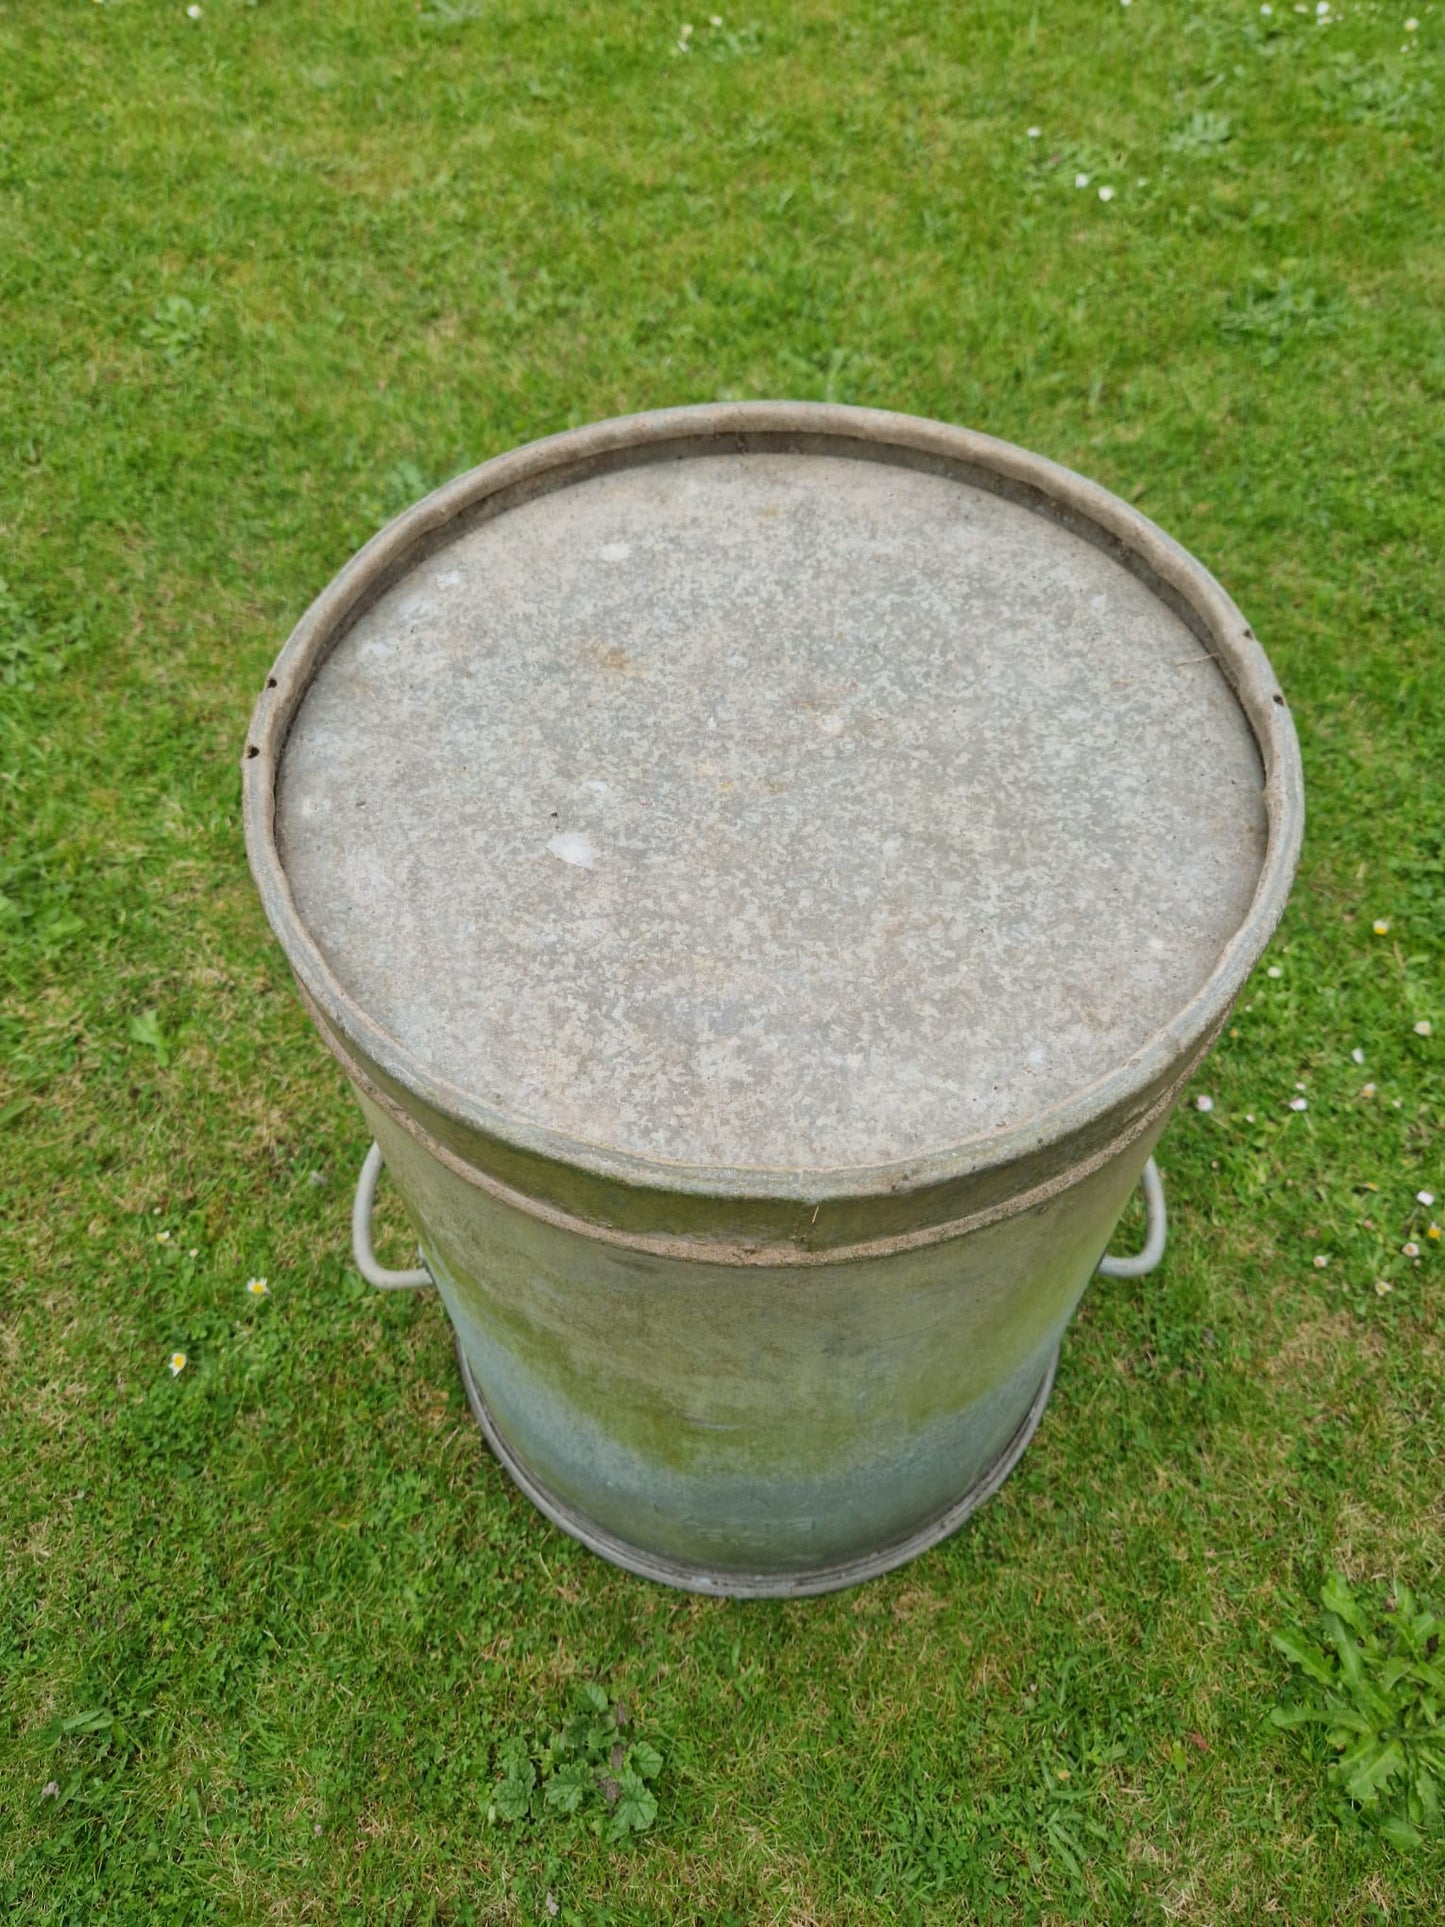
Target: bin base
x,y
755,1585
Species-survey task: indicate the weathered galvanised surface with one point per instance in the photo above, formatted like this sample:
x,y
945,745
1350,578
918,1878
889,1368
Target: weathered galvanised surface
x,y
768,871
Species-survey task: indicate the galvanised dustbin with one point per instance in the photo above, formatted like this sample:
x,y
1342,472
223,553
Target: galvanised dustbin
x,y
768,871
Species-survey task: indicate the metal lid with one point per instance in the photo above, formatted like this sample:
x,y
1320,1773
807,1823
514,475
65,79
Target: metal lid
x,y
772,794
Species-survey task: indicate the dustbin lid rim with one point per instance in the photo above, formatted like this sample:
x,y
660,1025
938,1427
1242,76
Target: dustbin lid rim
x,y
1056,494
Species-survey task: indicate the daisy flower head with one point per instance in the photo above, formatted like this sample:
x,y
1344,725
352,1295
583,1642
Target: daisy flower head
x,y
258,1288
177,1363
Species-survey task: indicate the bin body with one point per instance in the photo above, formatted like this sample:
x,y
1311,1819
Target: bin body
x,y
755,1429
768,872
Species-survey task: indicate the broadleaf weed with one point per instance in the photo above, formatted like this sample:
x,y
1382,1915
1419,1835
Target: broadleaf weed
x,y
590,1771
1372,1674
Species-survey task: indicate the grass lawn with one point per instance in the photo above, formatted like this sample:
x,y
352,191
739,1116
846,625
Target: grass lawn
x,y
267,1628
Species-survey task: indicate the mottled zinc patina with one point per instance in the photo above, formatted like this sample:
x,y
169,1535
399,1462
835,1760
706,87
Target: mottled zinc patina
x,y
768,871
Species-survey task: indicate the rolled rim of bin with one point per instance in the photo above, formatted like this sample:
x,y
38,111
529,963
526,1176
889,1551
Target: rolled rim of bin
x,y
636,1198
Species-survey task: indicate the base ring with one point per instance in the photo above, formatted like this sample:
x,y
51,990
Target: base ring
x,y
754,1585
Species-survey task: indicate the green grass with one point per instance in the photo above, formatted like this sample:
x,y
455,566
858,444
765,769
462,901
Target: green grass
x,y
265,276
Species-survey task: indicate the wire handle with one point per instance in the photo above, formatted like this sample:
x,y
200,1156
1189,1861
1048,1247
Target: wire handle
x,y
361,1250
1139,1266
1144,1261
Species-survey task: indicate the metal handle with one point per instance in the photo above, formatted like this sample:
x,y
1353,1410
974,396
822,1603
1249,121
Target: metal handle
x,y
1144,1261
361,1250
1139,1266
